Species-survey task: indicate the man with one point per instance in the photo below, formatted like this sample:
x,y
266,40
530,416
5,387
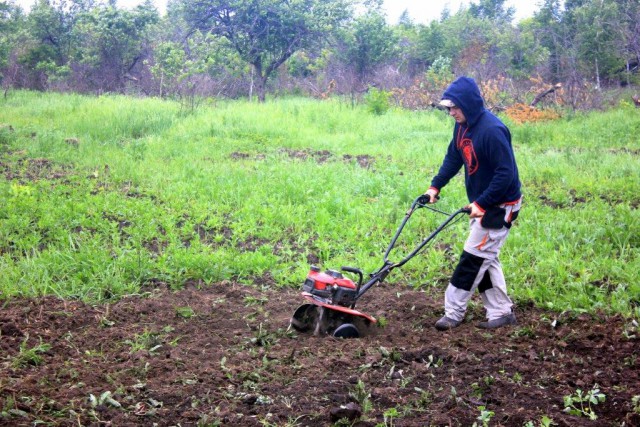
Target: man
x,y
482,144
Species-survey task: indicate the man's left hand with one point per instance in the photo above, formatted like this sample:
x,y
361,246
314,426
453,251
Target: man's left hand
x,y
476,212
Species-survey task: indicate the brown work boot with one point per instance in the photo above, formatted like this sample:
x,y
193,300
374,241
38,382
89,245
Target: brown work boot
x,y
507,319
445,323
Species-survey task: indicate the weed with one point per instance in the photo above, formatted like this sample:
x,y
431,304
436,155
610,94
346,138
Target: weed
x,y
362,396
635,401
251,300
432,362
484,417
265,338
382,322
291,422
205,421
185,312
377,101
388,416
394,355
544,422
525,332
104,399
581,404
453,396
631,330
631,361
424,399
517,378
146,341
30,356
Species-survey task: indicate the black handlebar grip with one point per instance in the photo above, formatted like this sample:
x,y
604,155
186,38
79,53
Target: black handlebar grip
x,y
424,199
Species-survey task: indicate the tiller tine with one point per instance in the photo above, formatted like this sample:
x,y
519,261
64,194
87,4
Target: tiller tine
x,y
326,320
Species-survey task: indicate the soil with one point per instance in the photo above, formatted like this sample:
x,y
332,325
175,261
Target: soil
x,y
222,354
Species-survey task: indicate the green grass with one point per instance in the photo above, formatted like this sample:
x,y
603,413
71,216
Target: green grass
x,y
107,196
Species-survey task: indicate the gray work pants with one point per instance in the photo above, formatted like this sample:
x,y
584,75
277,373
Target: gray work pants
x,y
479,268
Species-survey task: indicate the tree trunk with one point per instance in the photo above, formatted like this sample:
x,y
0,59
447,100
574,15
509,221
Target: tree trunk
x,y
262,88
260,81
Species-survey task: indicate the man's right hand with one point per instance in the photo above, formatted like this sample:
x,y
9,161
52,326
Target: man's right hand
x,y
432,193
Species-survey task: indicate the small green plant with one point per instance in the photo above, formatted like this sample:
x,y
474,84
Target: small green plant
x,y
631,330
7,134
517,378
424,400
185,312
393,355
382,322
377,101
389,415
104,399
581,404
635,402
484,417
454,396
544,422
251,300
147,340
362,397
30,356
433,362
525,332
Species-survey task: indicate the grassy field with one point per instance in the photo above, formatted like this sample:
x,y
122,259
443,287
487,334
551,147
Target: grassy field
x,y
102,197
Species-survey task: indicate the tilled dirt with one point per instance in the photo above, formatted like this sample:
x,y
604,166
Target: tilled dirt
x,y
222,354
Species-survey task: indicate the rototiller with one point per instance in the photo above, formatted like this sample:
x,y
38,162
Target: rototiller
x,y
331,297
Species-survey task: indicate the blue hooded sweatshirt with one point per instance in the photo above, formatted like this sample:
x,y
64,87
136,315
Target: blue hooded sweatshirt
x,y
483,147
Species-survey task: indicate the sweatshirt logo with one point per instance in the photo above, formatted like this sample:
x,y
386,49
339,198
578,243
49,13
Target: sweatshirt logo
x,y
465,145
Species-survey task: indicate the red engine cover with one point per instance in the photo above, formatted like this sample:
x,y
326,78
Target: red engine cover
x,y
324,280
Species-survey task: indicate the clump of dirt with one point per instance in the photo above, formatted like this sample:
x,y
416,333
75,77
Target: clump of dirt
x,y
223,354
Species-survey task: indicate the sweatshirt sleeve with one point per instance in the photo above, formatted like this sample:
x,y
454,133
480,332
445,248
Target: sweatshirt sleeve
x,y
450,167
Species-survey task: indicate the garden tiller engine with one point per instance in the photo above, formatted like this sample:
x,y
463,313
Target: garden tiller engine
x,y
331,297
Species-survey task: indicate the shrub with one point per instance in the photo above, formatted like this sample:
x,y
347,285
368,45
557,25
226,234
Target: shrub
x,y
377,101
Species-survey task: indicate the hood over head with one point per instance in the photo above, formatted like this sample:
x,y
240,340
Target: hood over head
x,y
465,94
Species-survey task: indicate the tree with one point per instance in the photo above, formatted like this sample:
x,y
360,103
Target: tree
x,y
597,39
266,33
46,54
493,10
109,43
627,28
431,43
11,20
369,42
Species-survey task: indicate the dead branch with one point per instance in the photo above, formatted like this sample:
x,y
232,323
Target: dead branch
x,y
539,97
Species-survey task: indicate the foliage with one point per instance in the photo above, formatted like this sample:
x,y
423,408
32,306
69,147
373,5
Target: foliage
x,y
377,100
30,355
266,33
581,404
635,401
521,113
237,48
369,42
110,42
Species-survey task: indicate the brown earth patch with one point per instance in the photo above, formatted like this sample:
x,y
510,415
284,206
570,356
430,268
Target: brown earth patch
x,y
222,354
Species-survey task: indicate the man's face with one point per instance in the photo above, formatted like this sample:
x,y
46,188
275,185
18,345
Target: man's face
x,y
458,115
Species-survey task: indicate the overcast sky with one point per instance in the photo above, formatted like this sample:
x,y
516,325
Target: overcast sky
x,y
420,11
